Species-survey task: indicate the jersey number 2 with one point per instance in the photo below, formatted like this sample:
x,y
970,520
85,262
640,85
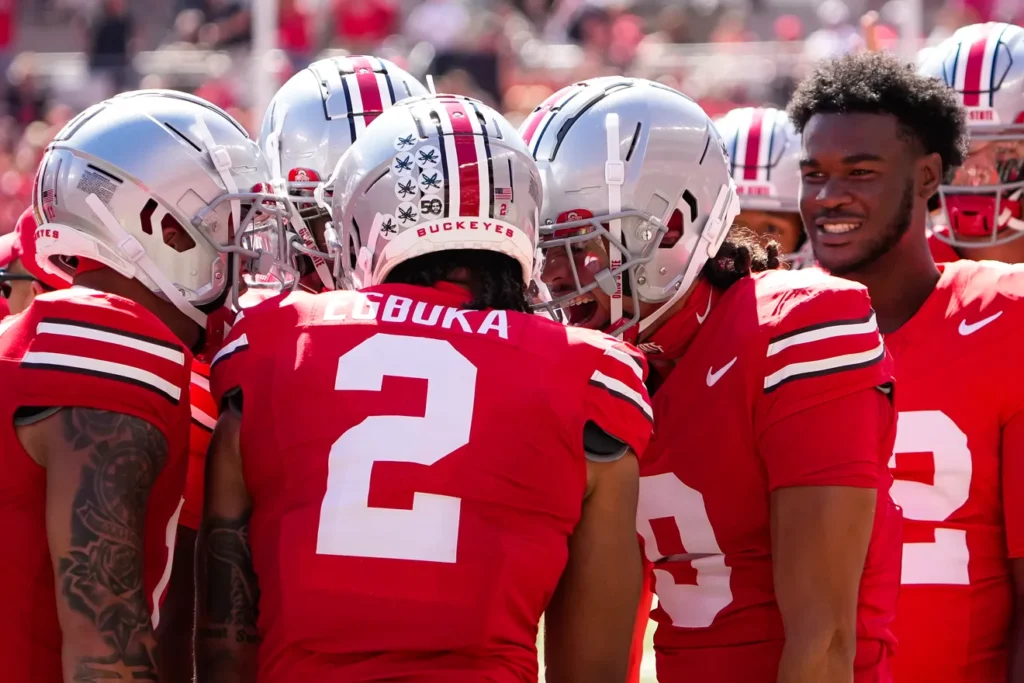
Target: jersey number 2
x,y
666,497
430,530
943,561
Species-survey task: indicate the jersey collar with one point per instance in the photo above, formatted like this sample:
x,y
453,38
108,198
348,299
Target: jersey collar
x,y
666,346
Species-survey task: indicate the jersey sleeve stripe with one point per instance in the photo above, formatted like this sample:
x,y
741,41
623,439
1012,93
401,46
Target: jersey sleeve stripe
x,y
101,368
824,366
621,390
819,331
626,360
109,335
237,346
203,420
201,382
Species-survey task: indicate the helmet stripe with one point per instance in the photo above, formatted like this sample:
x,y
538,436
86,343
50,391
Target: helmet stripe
x,y
486,172
368,89
752,153
465,157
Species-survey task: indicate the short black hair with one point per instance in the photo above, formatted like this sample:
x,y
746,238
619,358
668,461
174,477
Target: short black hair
x,y
928,111
495,280
742,253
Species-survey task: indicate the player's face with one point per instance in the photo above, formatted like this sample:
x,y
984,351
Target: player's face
x,y
858,189
784,228
20,289
593,309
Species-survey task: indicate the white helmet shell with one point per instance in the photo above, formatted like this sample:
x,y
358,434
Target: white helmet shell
x,y
123,170
440,172
620,158
313,119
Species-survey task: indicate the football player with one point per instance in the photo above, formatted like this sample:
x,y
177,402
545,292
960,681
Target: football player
x,y
21,278
764,151
470,465
764,505
979,210
95,378
310,122
878,142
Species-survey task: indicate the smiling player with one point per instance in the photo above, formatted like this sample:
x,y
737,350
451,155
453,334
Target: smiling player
x,y
878,142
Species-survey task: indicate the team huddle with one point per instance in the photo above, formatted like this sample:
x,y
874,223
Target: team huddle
x,y
364,399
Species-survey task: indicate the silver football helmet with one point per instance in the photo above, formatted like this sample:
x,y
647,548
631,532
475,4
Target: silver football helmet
x,y
312,120
640,165
162,187
440,172
764,157
984,203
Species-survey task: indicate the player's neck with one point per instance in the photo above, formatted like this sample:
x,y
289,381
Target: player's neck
x,y
899,281
111,282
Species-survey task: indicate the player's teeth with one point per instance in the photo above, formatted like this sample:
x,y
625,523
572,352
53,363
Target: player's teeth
x,y
838,228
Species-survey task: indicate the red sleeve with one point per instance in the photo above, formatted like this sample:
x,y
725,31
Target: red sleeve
x,y
845,441
204,419
615,396
116,356
827,345
229,366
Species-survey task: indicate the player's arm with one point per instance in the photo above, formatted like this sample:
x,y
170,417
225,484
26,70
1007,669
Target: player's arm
x,y
589,622
824,469
100,469
591,617
227,639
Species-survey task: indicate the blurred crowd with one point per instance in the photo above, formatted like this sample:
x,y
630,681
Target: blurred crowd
x,y
498,51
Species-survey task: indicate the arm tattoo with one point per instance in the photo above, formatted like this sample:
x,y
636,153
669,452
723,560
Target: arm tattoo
x,y
229,595
101,576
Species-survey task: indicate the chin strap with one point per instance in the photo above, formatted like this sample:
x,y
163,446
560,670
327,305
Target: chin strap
x,y
130,248
614,176
222,163
720,220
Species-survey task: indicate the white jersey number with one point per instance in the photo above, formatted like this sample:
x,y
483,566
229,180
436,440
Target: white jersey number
x,y
664,496
943,561
430,530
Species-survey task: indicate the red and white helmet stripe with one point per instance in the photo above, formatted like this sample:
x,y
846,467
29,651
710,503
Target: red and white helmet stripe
x,y
751,153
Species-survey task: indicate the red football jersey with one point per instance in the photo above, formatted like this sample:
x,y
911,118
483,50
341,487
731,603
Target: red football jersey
x,y
958,387
204,419
416,469
81,348
781,364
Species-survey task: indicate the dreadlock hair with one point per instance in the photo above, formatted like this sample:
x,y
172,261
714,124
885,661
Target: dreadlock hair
x,y
495,280
742,253
929,113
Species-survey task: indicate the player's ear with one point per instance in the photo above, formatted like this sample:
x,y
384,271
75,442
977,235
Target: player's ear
x,y
929,175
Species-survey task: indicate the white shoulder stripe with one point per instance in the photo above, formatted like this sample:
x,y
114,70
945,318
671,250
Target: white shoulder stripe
x,y
103,367
110,337
621,389
239,344
626,360
833,364
826,332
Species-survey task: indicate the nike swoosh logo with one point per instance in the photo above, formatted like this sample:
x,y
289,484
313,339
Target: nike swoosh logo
x,y
966,329
714,376
702,318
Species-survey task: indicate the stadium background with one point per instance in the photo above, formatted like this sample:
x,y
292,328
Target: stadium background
x,y
59,56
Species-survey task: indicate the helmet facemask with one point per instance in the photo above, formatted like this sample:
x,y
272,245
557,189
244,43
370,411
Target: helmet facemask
x,y
984,205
